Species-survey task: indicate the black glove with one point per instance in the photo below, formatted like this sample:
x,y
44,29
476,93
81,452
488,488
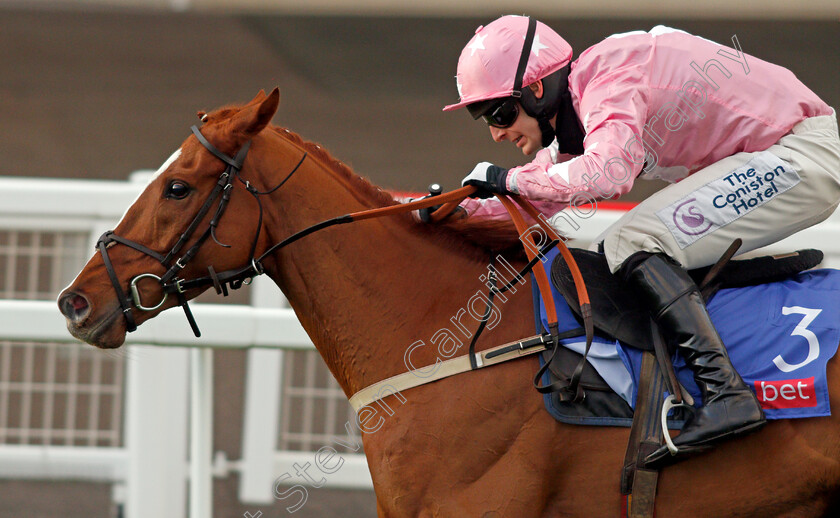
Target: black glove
x,y
490,180
425,215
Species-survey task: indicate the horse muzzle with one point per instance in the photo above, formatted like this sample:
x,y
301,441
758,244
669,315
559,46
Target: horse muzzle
x,y
100,331
74,306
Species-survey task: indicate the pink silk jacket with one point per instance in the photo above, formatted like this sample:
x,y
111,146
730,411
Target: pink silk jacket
x,y
660,104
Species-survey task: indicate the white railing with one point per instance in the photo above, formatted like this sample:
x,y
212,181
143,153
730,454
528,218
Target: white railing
x,y
166,362
159,367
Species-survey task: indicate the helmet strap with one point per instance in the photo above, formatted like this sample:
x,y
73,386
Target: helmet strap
x,y
523,58
568,132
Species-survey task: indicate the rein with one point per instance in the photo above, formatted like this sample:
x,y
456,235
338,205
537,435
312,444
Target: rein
x,y
170,283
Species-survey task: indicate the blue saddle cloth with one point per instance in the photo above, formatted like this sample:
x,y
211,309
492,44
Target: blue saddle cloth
x,y
779,335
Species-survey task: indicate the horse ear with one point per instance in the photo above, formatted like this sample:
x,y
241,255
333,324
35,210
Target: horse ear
x,y
257,114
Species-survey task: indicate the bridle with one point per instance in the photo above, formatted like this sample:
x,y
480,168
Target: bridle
x,y
234,279
174,261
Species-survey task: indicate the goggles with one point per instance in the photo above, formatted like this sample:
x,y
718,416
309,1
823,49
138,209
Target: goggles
x,y
503,114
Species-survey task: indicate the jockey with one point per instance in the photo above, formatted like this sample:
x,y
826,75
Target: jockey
x,y
750,151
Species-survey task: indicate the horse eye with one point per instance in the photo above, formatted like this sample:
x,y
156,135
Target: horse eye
x,y
177,190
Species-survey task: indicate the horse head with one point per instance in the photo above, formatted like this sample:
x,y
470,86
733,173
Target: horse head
x,y
177,230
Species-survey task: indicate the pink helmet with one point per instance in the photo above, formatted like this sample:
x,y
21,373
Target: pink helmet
x,y
488,66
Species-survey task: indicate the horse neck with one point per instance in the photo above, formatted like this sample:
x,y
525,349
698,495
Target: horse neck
x,y
365,291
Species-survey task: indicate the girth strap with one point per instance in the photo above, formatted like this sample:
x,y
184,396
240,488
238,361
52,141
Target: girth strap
x,y
453,366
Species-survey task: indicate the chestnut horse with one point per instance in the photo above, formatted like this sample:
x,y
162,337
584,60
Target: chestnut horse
x,y
476,444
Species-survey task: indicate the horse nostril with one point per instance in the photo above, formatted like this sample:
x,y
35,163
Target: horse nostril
x,y
74,306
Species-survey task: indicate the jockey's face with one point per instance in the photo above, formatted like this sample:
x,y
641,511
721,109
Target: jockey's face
x,y
524,133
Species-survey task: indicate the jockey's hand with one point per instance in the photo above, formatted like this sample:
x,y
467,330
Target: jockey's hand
x,y
490,180
425,215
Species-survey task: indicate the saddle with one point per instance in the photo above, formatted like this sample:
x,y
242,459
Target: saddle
x,y
617,315
616,310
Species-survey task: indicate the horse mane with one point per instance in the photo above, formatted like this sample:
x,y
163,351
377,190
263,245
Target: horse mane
x,y
482,235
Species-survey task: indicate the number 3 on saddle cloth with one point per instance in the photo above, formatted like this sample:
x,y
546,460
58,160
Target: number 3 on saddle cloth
x,y
779,335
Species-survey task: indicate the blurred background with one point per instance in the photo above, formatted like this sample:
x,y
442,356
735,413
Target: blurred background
x,y
98,89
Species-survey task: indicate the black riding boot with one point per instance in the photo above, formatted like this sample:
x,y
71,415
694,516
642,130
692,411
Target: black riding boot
x,y
729,406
